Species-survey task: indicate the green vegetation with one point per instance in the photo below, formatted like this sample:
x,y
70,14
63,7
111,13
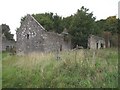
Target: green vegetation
x,y
80,25
82,68
6,31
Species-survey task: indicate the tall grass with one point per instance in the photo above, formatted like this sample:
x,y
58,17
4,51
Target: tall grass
x,y
81,68
0,70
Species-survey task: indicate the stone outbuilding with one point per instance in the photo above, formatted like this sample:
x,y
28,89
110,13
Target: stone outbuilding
x,y
6,45
95,42
32,37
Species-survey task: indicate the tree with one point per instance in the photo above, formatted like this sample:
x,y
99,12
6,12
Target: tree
x,y
101,24
67,21
46,20
82,24
111,24
6,32
58,27
79,26
50,22
109,30
22,19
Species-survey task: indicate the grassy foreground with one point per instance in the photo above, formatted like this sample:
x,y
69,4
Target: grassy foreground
x,y
79,69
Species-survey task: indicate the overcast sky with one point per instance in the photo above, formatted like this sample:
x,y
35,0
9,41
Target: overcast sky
x,y
13,10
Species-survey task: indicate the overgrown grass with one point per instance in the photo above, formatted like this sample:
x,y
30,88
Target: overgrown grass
x,y
0,70
79,69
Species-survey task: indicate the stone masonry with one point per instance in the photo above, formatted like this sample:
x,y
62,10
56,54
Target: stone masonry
x,y
95,42
32,37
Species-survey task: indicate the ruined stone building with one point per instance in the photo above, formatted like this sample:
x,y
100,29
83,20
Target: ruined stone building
x,y
32,37
5,45
95,42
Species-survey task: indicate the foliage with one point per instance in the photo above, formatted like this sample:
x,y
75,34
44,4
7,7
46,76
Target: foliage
x,y
83,24
50,22
22,19
101,25
110,24
109,29
118,27
45,20
6,32
75,69
58,26
79,26
67,21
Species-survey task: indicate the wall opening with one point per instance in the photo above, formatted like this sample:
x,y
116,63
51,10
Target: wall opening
x,y
101,45
27,36
97,45
60,47
7,48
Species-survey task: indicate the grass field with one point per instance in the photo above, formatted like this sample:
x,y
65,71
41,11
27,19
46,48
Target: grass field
x,y
0,70
74,69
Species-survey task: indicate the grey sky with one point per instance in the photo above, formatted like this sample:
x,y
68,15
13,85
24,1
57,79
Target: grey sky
x,y
13,10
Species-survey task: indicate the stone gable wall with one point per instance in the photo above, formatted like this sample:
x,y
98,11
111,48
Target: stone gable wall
x,y
32,37
29,36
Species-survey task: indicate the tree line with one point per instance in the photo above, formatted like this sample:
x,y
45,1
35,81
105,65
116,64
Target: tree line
x,y
80,26
5,30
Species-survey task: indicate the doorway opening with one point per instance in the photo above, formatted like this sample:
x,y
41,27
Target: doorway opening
x,y
97,45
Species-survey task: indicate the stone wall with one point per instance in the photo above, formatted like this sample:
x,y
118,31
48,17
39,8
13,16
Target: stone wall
x,y
29,37
4,43
95,42
52,42
32,37
7,44
66,45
